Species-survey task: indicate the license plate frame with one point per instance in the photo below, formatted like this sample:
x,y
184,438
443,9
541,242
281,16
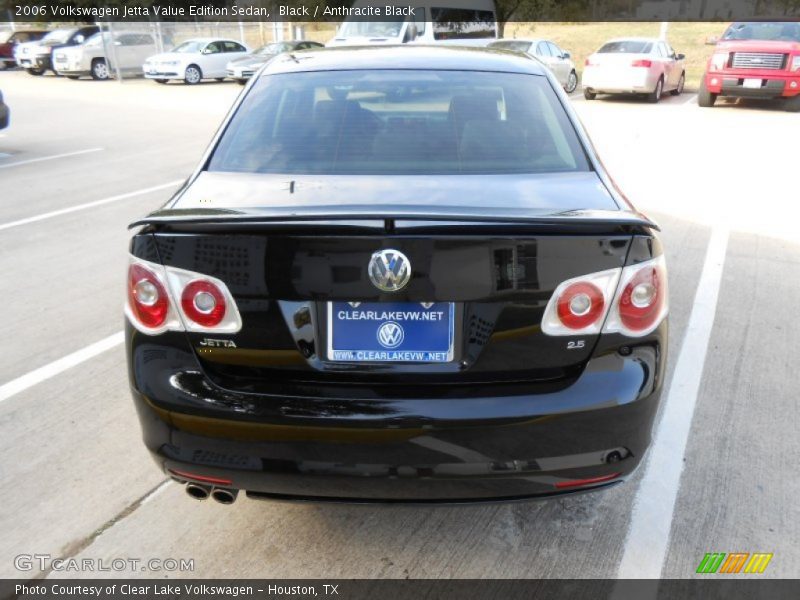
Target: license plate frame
x,y
373,335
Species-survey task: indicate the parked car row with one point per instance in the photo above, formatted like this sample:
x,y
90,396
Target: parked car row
x,y
214,58
751,60
81,52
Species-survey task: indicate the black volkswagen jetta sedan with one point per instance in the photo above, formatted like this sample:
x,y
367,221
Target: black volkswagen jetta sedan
x,y
397,275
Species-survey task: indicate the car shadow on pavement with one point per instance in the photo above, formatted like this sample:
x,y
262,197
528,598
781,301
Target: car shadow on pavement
x,y
640,99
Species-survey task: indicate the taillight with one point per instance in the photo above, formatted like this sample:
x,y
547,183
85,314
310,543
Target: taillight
x,y
579,305
631,301
148,302
641,302
205,303
643,62
588,62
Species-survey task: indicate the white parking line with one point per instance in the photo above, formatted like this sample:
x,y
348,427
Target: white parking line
x,y
64,211
648,536
692,99
37,376
42,158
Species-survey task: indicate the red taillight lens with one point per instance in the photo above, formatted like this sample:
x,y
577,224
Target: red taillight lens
x,y
147,297
587,62
642,63
641,302
580,305
204,303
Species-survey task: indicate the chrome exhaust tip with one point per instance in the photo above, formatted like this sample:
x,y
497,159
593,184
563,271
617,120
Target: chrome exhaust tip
x,y
197,491
224,495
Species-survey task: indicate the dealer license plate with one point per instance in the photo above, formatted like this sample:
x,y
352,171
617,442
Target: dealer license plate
x,y
390,331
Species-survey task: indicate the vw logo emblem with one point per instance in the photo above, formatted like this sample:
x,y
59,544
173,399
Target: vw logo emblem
x,y
390,335
389,270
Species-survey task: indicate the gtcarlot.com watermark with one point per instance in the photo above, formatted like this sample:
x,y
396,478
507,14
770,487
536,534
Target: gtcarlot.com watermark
x,y
46,562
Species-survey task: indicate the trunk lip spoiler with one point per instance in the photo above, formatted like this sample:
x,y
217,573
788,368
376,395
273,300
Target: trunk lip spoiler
x,y
294,214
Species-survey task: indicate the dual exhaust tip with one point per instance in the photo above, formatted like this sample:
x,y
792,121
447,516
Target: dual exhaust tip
x,y
199,491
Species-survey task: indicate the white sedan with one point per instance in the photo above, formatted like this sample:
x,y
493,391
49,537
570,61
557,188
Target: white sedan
x,y
194,60
634,66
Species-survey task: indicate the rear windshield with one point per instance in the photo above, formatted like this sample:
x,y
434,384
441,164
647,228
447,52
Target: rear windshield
x,y
626,47
777,32
511,45
400,122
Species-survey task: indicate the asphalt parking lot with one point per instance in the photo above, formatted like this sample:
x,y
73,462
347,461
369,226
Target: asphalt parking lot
x,y
723,474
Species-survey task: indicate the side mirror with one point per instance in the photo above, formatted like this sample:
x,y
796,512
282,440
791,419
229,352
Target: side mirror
x,y
680,56
206,51
411,33
79,39
118,43
712,40
566,55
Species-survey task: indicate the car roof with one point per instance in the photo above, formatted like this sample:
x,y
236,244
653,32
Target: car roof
x,y
346,58
633,39
523,40
208,40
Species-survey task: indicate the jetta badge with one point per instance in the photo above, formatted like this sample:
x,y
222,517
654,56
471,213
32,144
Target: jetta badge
x,y
389,270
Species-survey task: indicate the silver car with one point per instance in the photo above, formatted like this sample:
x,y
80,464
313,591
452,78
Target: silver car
x,y
634,66
129,51
554,58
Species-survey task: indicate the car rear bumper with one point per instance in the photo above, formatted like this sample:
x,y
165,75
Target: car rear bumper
x,y
543,443
619,81
772,86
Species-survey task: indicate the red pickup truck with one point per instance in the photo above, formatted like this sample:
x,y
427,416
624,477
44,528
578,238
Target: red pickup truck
x,y
755,60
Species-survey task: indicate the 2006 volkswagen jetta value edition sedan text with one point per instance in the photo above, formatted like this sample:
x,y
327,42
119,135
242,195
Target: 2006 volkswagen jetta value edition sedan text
x,y
398,275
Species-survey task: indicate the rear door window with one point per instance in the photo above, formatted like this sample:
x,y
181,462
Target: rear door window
x,y
233,47
626,47
542,49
